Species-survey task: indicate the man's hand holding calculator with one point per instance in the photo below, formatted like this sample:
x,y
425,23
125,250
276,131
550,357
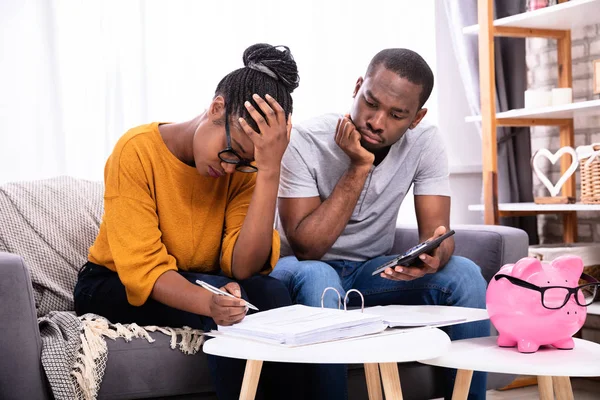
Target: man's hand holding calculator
x,y
426,263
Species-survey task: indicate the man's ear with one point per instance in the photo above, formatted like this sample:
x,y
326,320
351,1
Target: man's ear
x,y
359,83
216,110
420,114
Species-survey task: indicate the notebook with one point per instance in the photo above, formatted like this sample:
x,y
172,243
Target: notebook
x,y
300,325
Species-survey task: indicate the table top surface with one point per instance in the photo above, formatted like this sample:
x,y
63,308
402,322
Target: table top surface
x,y
388,346
484,354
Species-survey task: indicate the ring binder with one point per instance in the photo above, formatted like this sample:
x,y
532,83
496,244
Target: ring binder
x,y
338,293
362,299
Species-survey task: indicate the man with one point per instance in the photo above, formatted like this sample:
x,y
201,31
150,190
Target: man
x,y
343,179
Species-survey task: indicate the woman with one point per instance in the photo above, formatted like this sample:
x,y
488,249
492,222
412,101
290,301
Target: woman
x,y
196,201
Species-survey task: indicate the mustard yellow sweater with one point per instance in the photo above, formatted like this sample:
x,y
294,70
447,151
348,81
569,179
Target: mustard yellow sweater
x,y
160,215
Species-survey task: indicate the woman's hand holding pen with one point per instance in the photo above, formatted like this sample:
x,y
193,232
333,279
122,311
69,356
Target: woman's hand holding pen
x,y
226,310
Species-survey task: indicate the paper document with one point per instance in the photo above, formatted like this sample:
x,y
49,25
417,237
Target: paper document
x,y
398,315
300,325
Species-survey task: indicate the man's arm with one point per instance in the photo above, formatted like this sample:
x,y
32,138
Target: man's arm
x,y
312,226
433,212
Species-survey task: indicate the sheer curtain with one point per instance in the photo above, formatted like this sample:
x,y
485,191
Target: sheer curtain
x,y
75,75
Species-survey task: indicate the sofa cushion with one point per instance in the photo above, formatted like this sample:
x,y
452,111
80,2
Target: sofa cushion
x,y
51,224
139,369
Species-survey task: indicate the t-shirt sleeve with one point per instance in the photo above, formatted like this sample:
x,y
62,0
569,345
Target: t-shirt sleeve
x,y
238,203
432,173
296,179
133,232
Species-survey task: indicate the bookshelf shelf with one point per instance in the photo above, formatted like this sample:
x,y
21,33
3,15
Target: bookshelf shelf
x,y
569,15
553,112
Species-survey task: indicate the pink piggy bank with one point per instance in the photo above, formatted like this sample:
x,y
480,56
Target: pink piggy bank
x,y
530,305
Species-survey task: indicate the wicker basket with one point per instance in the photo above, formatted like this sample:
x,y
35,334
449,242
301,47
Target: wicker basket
x,y
590,179
589,253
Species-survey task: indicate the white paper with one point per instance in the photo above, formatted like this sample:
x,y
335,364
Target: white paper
x,y
298,324
399,315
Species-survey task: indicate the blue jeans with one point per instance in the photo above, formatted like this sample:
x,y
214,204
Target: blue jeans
x,y
459,283
100,291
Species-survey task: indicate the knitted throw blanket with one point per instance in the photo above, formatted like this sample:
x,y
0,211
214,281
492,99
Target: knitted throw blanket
x,y
52,224
74,350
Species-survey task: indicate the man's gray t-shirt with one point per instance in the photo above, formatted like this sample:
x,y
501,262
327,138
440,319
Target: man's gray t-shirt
x,y
313,164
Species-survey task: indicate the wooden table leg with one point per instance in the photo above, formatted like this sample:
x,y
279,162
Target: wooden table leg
x,y
462,384
545,387
251,376
562,388
391,381
373,381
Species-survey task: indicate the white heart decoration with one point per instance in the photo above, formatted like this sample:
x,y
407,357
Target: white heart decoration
x,y
555,189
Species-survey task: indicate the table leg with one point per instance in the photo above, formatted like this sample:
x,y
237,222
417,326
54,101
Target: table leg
x,y
373,381
562,388
545,387
462,384
251,376
391,381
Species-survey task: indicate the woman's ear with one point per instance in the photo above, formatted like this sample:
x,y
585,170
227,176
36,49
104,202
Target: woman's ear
x,y
216,110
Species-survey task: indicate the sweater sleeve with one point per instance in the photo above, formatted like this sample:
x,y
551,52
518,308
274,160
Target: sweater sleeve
x,y
235,213
132,226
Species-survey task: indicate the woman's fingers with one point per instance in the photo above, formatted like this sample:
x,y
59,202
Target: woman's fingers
x,y
289,127
259,119
252,134
276,107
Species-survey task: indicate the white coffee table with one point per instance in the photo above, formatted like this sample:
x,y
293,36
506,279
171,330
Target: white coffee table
x,y
549,364
379,352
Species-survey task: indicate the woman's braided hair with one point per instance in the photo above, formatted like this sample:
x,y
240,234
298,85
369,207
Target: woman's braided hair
x,y
267,70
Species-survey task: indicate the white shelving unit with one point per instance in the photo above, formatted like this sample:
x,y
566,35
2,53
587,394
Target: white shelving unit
x,y
594,308
553,112
569,15
554,22
539,208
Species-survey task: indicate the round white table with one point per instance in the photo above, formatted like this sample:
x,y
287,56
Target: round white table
x,y
379,352
549,364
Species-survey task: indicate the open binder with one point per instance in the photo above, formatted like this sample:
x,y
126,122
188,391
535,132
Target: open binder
x,y
299,325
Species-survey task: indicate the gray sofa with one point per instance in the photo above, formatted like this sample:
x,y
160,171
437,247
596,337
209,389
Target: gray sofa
x,y
139,369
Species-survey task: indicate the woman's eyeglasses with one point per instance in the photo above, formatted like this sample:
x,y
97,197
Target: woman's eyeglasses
x,y
555,297
230,156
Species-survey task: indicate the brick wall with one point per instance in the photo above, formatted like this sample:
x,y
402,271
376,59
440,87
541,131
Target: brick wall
x,y
543,74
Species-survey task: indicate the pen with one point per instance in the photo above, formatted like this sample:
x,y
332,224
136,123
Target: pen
x,y
215,290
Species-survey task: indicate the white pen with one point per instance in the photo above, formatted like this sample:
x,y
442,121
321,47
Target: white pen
x,y
215,290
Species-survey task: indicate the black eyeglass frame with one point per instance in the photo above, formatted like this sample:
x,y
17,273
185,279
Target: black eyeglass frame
x,y
241,165
542,289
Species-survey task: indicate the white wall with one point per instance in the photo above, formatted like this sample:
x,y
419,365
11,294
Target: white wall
x,y
76,75
463,140
89,71
448,109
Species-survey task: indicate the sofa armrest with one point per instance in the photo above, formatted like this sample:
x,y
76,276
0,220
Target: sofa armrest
x,y
21,373
489,246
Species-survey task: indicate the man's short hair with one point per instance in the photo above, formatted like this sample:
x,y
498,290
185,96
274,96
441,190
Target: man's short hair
x,y
406,64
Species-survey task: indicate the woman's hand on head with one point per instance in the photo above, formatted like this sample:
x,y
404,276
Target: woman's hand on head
x,y
274,136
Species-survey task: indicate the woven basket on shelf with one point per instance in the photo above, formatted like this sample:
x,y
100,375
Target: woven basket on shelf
x,y
590,179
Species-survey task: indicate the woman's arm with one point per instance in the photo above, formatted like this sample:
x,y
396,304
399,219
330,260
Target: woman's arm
x,y
175,291
255,241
